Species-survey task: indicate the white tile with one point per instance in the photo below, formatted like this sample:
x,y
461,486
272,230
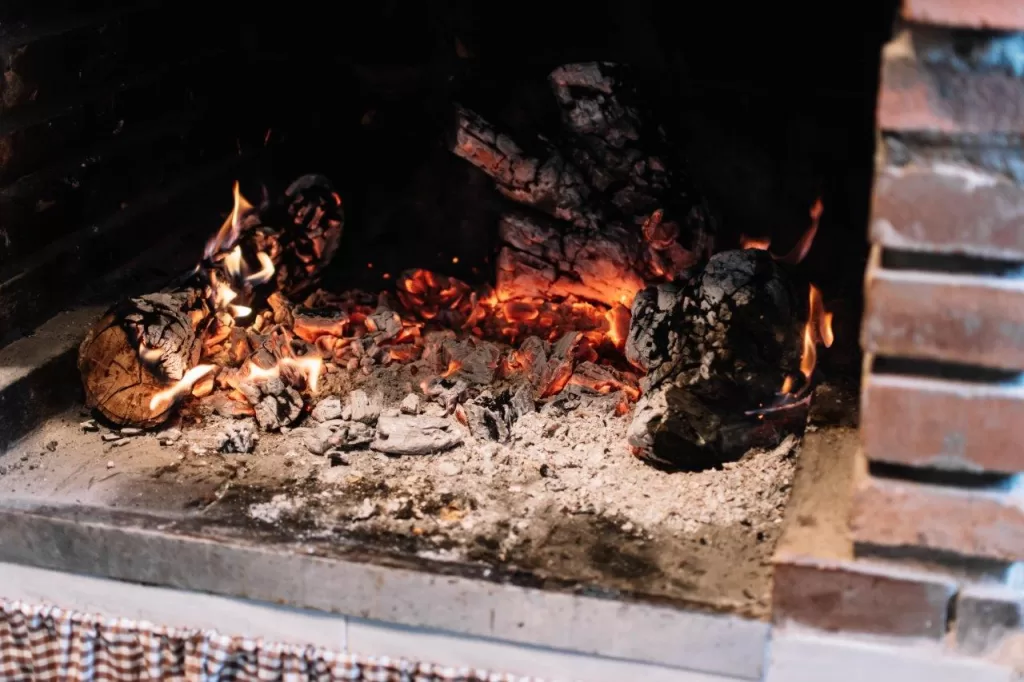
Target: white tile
x,y
812,657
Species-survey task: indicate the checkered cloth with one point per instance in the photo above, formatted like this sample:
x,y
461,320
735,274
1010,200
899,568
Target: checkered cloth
x,y
41,643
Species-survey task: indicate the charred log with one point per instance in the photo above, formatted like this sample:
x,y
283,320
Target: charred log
x,y
716,348
540,260
140,349
610,179
143,347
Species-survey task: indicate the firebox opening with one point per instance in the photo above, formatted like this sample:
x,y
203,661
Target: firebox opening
x,y
549,299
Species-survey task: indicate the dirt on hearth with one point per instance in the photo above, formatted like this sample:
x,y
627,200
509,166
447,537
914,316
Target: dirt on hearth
x,y
562,501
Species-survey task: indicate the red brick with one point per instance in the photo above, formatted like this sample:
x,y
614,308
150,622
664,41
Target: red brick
x,y
952,207
1001,14
919,97
968,522
974,320
942,424
861,596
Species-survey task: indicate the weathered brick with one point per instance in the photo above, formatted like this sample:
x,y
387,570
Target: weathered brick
x,y
861,596
969,522
945,97
974,320
944,424
999,14
987,617
950,206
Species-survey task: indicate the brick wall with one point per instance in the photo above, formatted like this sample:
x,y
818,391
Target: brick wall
x,y
936,512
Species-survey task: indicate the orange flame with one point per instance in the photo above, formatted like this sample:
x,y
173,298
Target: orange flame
x,y
229,231
453,367
265,272
164,399
818,329
803,245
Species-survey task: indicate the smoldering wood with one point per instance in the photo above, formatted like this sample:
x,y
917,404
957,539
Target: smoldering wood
x,y
541,259
611,176
715,348
136,350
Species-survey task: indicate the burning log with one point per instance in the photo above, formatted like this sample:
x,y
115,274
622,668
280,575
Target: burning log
x,y
141,356
628,217
541,260
717,349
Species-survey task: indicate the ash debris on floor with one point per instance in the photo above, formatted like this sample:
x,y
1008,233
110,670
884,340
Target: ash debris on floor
x,y
551,493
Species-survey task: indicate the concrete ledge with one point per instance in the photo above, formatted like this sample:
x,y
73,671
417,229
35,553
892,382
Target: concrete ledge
x,y
176,553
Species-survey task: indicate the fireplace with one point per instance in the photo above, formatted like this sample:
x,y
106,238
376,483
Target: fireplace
x,y
403,290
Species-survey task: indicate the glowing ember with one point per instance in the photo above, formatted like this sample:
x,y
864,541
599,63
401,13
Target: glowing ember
x,y
758,243
164,399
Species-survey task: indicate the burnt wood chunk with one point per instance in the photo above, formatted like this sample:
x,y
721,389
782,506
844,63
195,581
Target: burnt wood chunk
x,y
716,348
137,350
623,213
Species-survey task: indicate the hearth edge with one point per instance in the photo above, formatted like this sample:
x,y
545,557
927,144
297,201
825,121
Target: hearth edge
x,y
105,543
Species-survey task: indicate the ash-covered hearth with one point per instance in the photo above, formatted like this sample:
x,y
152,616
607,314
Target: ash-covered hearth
x,y
614,402
606,285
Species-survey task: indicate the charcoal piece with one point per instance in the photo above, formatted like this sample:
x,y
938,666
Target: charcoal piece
x,y
652,343
385,322
410,404
492,416
310,324
140,348
327,409
310,242
420,435
675,429
239,438
275,403
523,401
448,393
470,360
354,435
364,408
317,441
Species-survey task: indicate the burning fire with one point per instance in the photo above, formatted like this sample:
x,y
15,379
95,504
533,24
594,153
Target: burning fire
x,y
164,399
800,250
561,342
818,329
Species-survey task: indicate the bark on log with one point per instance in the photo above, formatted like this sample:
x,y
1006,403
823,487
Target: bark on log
x,y
715,348
611,178
541,260
138,349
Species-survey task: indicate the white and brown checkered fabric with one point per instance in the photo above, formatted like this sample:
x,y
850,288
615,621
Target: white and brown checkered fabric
x,y
41,643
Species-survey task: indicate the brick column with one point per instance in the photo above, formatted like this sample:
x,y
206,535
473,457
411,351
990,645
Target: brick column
x,y
936,510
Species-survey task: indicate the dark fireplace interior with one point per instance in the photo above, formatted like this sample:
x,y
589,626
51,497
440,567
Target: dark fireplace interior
x,y
122,132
